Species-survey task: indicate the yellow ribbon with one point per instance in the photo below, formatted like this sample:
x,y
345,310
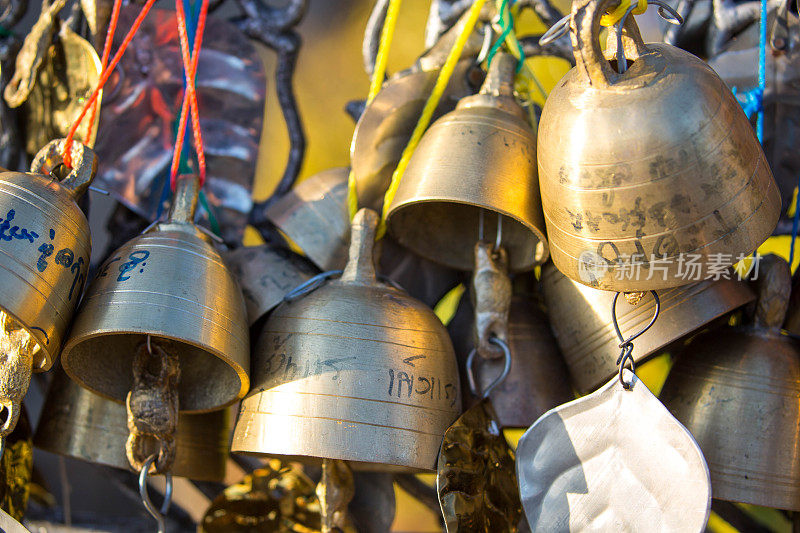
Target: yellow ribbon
x,y
616,14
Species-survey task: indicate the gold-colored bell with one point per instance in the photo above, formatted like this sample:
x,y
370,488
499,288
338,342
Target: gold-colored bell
x,y
314,216
46,245
356,370
538,380
580,317
171,285
266,274
385,126
657,163
736,391
474,168
78,423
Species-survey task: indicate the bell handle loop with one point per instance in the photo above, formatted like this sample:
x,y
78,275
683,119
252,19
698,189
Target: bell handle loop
x,y
585,36
49,161
774,287
473,384
158,514
500,78
184,201
360,267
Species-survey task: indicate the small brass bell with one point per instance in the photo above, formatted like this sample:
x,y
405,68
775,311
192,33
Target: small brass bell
x,y
736,391
579,317
476,160
81,424
46,244
314,216
266,274
355,370
385,126
169,285
538,380
657,163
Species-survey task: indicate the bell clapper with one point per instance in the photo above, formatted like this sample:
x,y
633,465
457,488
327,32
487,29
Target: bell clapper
x,y
152,407
17,349
626,345
491,291
335,490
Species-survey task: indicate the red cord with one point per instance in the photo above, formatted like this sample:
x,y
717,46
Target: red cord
x,y
112,27
189,104
67,156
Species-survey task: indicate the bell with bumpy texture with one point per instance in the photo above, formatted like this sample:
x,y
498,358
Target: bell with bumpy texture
x,y
736,391
581,320
477,162
653,163
46,244
356,370
172,285
81,424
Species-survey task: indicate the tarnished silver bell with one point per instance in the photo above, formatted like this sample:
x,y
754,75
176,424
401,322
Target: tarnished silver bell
x,y
78,423
356,370
580,317
170,285
736,390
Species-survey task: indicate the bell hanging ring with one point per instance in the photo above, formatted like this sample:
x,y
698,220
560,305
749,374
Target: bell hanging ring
x,y
46,245
314,216
355,370
579,317
736,390
167,287
479,158
641,169
78,423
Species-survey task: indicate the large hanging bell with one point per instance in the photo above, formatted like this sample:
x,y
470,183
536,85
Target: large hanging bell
x,y
580,319
356,370
475,168
314,216
81,424
736,391
46,245
538,380
658,163
169,285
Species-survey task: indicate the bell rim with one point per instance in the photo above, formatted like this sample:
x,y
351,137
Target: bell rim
x,y
457,265
242,374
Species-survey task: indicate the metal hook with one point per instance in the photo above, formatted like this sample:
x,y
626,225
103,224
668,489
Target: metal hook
x,y
667,12
316,282
555,31
626,345
488,33
471,370
149,345
498,236
216,238
159,515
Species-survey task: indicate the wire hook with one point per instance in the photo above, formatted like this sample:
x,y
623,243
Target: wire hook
x,y
626,345
473,386
159,515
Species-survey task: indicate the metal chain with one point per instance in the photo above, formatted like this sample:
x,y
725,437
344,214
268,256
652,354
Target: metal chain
x,y
158,514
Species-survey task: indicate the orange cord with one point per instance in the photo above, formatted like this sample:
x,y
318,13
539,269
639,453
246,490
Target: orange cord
x,y
112,28
189,105
67,156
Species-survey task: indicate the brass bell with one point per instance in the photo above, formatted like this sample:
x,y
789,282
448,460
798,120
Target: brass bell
x,y
736,391
46,245
385,126
266,274
171,285
580,317
474,168
658,162
81,424
356,370
314,216
538,380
